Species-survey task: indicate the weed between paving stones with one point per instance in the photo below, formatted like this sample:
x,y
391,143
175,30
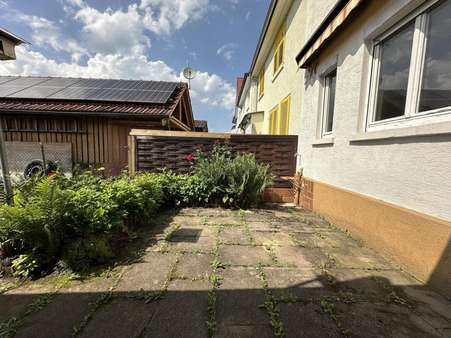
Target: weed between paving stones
x,y
271,305
215,281
102,300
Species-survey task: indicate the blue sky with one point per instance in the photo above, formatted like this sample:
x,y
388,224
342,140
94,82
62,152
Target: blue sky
x,y
140,39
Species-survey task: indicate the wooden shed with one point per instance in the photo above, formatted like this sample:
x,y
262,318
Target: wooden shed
x,y
94,115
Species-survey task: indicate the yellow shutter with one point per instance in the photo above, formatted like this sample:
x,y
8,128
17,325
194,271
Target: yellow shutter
x,y
261,83
284,116
273,120
279,44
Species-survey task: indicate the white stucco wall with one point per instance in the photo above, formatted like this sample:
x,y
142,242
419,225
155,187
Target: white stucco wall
x,y
302,19
411,172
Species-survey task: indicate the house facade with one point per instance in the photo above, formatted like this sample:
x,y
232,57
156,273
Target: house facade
x,y
365,85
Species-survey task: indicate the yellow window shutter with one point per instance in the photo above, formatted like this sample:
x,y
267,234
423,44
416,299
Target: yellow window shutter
x,y
284,118
261,83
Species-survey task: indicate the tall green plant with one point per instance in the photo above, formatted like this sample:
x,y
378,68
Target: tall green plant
x,y
233,180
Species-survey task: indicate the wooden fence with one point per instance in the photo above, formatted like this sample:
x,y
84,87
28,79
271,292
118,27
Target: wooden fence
x,y
151,150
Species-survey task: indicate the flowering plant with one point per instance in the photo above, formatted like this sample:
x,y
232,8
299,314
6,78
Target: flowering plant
x,y
190,157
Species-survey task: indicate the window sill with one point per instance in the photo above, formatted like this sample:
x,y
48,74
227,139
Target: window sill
x,y
323,141
436,129
276,74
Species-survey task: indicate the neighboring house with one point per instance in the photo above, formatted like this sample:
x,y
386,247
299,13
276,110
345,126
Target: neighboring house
x,y
8,43
94,115
201,126
365,85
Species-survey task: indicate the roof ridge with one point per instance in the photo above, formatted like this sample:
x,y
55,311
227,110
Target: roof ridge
x,y
83,78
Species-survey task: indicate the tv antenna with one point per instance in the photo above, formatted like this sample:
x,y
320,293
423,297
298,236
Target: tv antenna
x,y
189,74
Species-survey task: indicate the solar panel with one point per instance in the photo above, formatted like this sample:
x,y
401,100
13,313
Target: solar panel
x,y
36,92
4,79
87,89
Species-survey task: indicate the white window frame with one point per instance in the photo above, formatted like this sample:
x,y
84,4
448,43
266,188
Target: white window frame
x,y
325,102
412,116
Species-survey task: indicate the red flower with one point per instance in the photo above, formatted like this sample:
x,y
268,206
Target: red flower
x,y
190,157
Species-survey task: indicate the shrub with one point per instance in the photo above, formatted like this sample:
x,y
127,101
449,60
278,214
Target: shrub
x,y
83,253
34,226
232,181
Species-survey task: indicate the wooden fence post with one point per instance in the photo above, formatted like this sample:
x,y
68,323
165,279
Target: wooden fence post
x,y
131,155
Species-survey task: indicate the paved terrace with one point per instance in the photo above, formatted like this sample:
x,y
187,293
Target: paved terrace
x,y
261,273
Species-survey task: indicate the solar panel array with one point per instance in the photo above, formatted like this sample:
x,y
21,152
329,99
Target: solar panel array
x,y
86,89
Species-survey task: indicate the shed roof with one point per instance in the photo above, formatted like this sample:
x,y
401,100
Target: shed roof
x,y
46,104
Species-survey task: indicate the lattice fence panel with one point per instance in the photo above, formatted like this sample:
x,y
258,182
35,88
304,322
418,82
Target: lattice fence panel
x,y
152,153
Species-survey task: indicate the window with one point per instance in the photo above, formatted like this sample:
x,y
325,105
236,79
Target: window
x,y
411,75
279,45
261,83
2,50
330,82
279,118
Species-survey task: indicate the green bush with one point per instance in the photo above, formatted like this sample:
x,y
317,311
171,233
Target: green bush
x,y
35,225
83,253
232,181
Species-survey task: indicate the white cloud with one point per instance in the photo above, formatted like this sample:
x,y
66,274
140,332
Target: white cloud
x,y
213,90
208,89
165,16
113,31
47,33
227,51
247,16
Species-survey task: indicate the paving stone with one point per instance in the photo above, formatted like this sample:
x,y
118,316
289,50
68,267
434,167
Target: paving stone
x,y
65,311
359,258
433,308
191,233
301,320
382,320
203,243
240,297
272,238
300,257
147,276
372,283
234,235
188,221
194,265
180,314
120,318
189,285
293,284
14,303
261,226
310,240
244,255
244,331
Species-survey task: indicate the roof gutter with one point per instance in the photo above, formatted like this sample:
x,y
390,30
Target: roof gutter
x,y
269,15
264,31
13,37
72,113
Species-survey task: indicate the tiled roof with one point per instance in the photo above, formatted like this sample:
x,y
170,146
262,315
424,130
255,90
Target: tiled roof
x,y
65,106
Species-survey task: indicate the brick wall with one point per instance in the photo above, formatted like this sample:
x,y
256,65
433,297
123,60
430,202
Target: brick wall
x,y
306,195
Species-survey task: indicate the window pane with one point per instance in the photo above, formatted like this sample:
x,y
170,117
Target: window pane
x,y
436,85
331,81
394,74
